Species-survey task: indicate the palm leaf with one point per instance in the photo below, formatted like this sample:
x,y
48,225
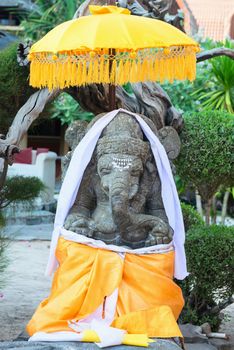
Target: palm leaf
x,y
221,94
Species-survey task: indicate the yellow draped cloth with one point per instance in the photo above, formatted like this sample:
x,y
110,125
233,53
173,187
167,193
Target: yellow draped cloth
x,y
149,302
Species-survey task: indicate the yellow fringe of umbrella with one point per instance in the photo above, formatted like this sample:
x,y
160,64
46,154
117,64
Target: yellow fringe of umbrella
x,y
112,67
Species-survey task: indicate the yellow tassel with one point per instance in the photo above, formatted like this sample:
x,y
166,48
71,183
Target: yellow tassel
x,y
58,73
44,73
84,73
133,55
96,70
166,51
165,69
34,79
54,70
161,70
106,73
120,73
32,75
191,67
49,78
133,72
144,70
90,72
171,70
126,70
39,68
69,78
92,54
73,73
67,73
154,65
62,76
113,72
179,67
51,82
138,70
151,69
79,73
101,69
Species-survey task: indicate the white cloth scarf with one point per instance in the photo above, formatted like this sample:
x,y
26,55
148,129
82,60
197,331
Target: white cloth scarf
x,y
81,158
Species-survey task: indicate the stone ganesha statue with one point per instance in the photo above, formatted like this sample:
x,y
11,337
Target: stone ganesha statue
x,y
119,200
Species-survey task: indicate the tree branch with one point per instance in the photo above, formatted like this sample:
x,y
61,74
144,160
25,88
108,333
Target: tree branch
x,y
221,51
29,112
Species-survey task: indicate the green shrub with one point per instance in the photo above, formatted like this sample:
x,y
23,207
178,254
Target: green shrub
x,y
206,160
191,217
210,259
20,189
15,189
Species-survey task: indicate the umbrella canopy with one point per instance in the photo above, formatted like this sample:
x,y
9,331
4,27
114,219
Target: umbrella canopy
x,y
111,46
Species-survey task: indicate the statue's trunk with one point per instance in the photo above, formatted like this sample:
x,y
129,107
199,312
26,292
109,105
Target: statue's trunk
x,y
119,197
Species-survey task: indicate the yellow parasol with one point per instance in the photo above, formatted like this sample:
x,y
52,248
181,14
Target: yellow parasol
x,y
113,47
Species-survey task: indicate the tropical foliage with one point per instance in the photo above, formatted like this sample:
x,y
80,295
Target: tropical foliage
x,y
48,14
219,93
213,87
68,110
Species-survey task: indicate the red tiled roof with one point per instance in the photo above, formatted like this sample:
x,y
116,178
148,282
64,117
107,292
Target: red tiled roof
x,y
213,17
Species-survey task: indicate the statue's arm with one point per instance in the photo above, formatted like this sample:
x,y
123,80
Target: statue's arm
x,y
79,216
154,203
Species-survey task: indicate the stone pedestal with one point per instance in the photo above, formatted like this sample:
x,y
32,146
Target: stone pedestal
x,y
23,345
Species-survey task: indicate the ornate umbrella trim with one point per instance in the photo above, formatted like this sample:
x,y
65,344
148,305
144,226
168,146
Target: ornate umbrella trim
x,y
77,68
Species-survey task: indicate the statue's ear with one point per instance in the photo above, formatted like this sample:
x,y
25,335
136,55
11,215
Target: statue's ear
x,y
170,140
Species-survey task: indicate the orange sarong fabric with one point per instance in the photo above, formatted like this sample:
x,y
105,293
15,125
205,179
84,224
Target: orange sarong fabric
x,y
148,300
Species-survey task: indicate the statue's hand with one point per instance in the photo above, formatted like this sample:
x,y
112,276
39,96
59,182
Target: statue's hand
x,y
79,224
160,234
104,227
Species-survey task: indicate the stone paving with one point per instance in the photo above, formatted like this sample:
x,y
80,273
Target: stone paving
x,y
28,232
25,286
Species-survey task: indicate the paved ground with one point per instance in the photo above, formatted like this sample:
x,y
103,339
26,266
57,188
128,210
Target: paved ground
x,y
25,286
28,232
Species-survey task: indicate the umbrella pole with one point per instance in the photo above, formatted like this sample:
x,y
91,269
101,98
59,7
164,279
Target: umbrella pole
x,y
112,89
112,99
